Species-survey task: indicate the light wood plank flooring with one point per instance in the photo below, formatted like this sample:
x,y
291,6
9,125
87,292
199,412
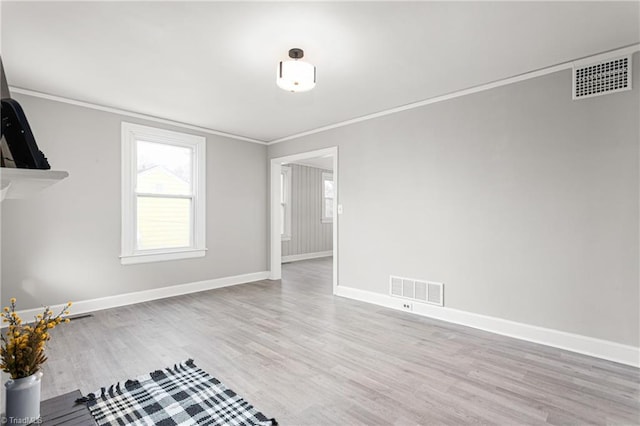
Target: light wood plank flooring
x,y
308,358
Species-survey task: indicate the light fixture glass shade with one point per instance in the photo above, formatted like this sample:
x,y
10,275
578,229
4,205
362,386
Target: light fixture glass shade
x,y
296,76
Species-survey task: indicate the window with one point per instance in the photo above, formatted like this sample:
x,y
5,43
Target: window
x,y
327,197
163,195
285,203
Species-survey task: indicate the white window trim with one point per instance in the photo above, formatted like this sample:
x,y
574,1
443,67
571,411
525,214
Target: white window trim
x,y
286,235
325,218
130,134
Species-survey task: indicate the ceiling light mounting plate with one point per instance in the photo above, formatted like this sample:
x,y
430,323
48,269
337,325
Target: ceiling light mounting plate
x,y
296,53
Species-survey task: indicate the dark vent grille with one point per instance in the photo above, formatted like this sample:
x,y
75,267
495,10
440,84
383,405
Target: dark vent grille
x,y
602,78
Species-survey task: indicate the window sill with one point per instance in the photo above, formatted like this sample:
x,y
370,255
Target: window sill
x,y
132,259
286,238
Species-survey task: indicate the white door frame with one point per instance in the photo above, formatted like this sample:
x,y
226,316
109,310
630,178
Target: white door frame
x,y
275,271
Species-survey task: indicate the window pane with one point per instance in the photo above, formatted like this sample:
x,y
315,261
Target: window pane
x,y
282,187
163,169
163,223
282,217
328,207
328,189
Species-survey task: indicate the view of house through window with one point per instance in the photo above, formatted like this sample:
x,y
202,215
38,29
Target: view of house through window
x,y
164,196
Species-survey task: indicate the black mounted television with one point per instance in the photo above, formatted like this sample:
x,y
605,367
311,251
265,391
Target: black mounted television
x,y
17,133
22,148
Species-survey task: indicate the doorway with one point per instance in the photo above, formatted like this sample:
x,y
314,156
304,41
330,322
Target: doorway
x,y
276,209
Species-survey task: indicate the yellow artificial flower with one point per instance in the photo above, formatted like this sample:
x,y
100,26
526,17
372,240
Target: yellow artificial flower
x,y
21,349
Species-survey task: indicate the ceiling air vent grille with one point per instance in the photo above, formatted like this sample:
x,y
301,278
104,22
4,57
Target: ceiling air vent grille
x,y
610,76
417,290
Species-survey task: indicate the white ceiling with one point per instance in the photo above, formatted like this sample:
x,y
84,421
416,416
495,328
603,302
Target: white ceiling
x,y
213,64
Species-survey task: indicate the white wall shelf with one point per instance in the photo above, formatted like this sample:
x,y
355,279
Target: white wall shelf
x,y
24,183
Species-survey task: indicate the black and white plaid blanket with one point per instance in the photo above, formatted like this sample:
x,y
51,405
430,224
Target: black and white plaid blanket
x,y
182,395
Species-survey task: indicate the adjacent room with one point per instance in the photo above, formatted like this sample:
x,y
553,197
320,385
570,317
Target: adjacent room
x,y
320,213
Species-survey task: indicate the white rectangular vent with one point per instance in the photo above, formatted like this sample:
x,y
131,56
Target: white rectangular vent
x,y
417,290
610,76
435,293
396,286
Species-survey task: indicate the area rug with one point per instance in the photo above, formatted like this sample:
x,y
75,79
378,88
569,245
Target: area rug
x,y
182,395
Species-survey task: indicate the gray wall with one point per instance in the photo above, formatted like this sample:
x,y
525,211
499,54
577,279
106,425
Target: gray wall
x,y
523,202
308,233
64,243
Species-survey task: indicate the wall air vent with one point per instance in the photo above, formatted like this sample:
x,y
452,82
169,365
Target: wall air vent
x,y
417,290
610,76
396,286
435,294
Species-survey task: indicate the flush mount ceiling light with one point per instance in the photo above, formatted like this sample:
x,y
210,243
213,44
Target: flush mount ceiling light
x,y
296,75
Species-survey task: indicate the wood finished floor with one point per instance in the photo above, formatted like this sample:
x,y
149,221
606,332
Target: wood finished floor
x,y
308,358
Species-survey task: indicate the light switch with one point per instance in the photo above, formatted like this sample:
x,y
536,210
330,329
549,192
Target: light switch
x,y
339,208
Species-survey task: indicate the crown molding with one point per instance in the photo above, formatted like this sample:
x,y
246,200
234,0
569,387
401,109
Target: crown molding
x,y
113,110
626,50
475,89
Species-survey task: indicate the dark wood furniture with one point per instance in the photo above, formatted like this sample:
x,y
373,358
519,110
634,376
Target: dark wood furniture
x,y
63,410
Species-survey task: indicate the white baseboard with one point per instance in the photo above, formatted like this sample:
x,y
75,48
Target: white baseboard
x,y
305,256
92,305
612,351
